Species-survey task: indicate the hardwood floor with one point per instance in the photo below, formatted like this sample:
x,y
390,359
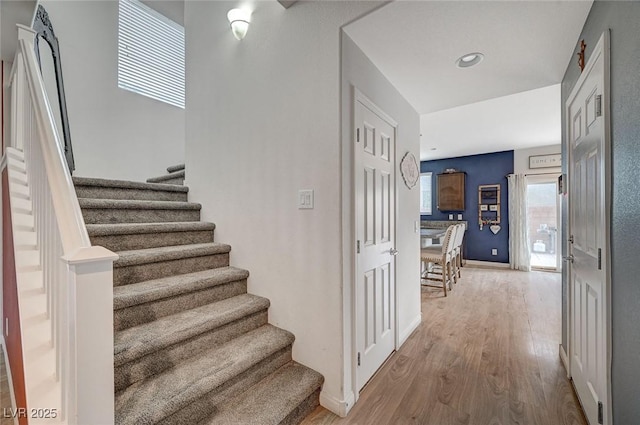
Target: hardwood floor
x,y
485,355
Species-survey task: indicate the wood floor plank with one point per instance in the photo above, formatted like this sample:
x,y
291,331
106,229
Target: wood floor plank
x,y
487,354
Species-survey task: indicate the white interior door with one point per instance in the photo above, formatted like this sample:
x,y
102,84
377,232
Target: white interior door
x,y
375,233
587,111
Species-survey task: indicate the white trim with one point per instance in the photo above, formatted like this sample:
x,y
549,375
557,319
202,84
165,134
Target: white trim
x,y
404,335
565,360
339,407
360,97
9,378
490,264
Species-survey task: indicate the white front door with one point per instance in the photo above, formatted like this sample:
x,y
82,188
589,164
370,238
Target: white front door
x,y
375,233
587,112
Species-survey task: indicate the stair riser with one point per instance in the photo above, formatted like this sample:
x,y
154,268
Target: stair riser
x,y
98,192
161,360
151,240
141,272
112,215
206,405
303,410
148,312
177,180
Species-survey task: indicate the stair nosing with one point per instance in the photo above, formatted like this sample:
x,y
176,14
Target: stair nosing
x,y
185,393
126,204
194,321
176,167
109,229
125,184
296,394
169,176
127,300
167,253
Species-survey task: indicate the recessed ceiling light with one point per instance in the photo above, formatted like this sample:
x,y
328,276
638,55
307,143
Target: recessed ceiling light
x,y
433,149
469,59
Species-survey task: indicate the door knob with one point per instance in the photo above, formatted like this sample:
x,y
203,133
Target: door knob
x,y
393,251
568,258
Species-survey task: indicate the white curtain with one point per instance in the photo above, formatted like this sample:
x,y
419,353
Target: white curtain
x,y
519,252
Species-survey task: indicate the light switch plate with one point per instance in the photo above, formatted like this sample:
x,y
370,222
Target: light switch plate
x,y
459,216
305,199
450,216
494,251
416,226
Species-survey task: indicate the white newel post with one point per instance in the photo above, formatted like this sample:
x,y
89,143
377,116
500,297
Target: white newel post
x,y
91,335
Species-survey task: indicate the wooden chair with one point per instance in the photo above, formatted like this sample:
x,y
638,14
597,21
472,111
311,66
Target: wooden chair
x,y
441,257
458,248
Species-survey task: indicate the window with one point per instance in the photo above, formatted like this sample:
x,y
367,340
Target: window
x,y
150,53
425,193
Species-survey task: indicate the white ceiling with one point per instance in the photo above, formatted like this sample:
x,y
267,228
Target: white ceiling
x,y
527,45
530,119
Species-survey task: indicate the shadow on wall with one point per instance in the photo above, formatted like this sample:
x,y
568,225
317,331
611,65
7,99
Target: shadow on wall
x,y
485,169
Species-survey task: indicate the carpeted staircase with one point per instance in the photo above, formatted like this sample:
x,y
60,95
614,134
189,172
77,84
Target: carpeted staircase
x,y
191,345
175,175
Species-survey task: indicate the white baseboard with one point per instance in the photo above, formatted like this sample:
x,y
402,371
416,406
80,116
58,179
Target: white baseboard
x,y
489,264
405,334
565,360
339,407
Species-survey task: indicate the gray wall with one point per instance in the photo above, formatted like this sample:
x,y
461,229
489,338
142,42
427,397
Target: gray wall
x,y
623,19
115,133
358,72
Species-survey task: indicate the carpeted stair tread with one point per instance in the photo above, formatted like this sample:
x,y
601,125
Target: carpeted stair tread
x,y
156,289
142,228
147,338
125,204
125,184
151,400
166,253
270,401
169,176
174,168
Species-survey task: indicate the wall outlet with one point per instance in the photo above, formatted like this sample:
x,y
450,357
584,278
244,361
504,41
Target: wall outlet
x,y
494,251
450,216
459,216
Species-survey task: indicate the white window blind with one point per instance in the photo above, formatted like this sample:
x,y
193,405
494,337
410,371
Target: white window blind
x,y
150,53
425,193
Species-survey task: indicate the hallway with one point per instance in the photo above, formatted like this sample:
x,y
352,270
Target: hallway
x,y
486,354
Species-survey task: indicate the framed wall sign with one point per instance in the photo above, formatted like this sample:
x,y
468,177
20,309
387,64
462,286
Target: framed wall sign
x,y
545,161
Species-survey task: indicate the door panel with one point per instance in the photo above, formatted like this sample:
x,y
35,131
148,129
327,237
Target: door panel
x,y
375,229
587,203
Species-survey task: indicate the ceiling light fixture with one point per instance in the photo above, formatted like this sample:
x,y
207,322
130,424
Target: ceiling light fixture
x,y
470,59
239,19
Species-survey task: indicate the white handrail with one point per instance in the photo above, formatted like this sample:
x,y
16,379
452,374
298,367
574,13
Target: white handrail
x,y
73,231
77,278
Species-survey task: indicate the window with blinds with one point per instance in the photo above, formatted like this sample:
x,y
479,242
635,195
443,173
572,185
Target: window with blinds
x,y
150,53
425,194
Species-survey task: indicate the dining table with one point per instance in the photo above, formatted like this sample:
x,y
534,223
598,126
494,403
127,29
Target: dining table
x,y
432,233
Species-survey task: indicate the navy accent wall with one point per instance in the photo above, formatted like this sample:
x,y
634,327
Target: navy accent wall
x,y
491,168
